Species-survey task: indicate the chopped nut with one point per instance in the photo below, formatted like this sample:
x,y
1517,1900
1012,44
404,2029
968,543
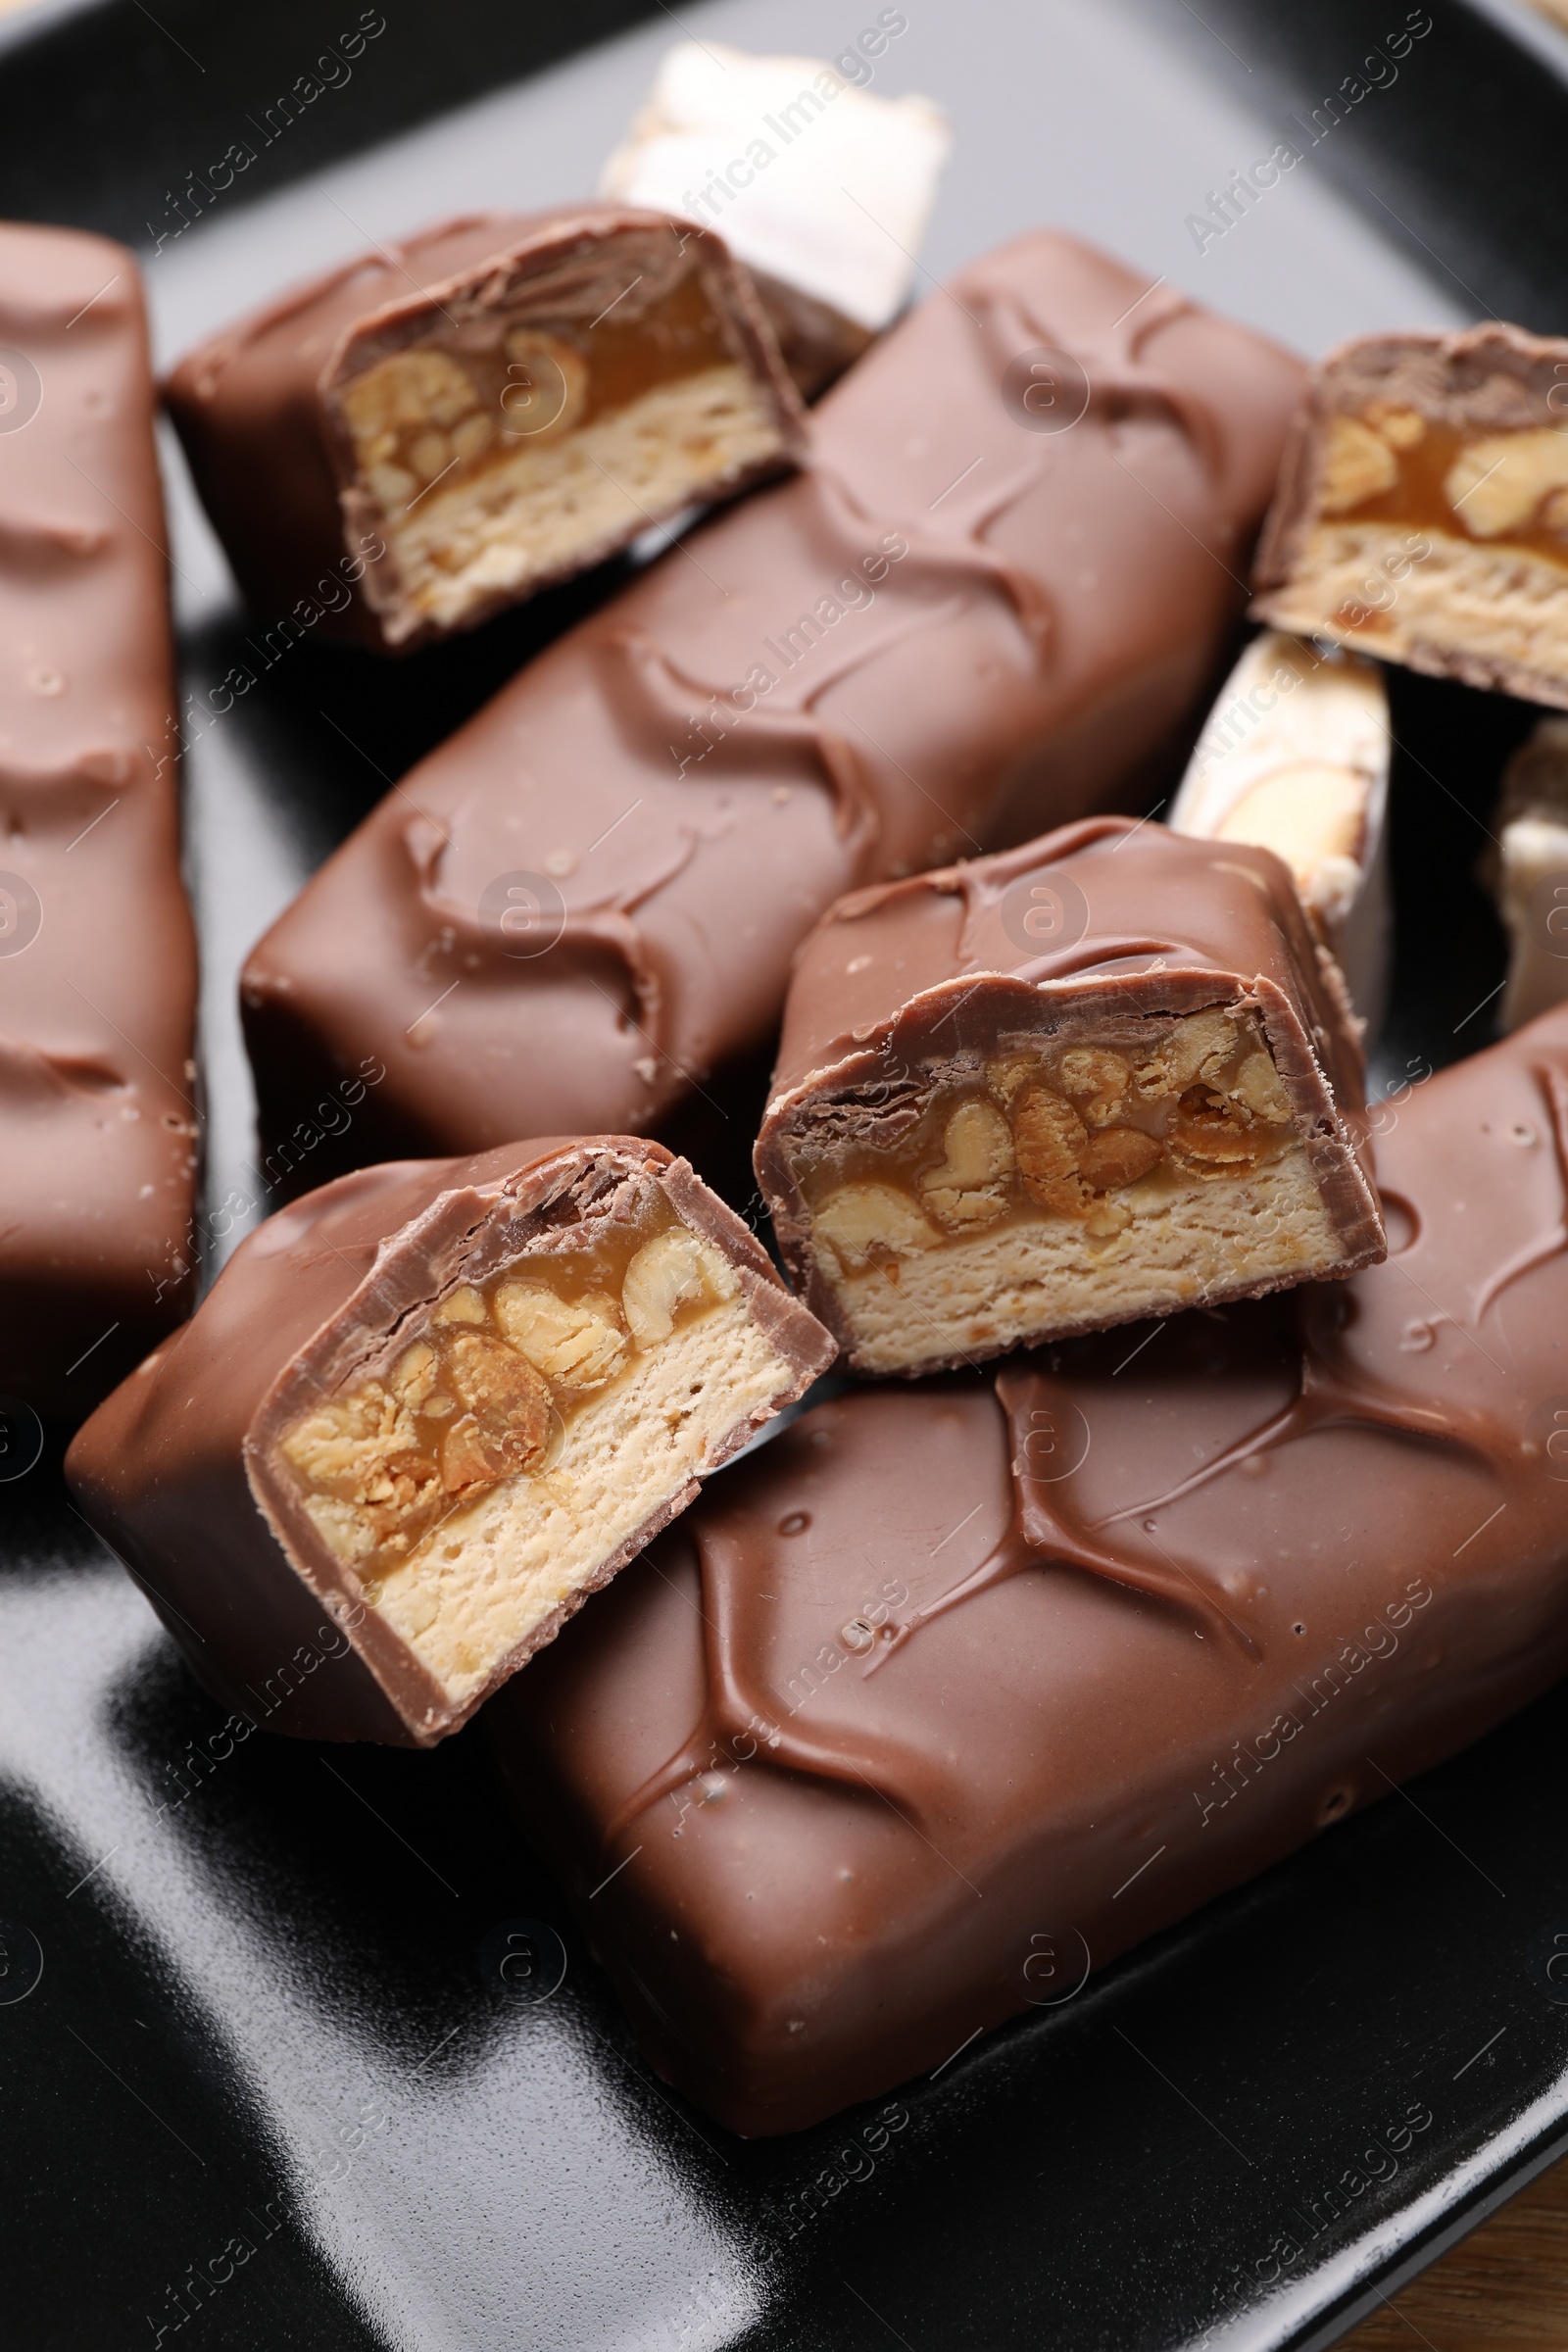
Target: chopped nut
x,y
364,1450
1117,1155
969,1188
465,1304
1007,1073
393,486
579,1343
1256,1087
673,1270
409,388
1404,427
429,455
1209,1135
414,1375
1196,1047
510,1420
1497,484
1096,1080
1050,1138
866,1223
1358,465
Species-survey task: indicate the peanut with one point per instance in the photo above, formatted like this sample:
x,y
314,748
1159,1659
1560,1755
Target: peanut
x,y
1497,484
1050,1138
969,1188
864,1223
673,1270
1117,1155
407,388
1006,1075
1256,1088
510,1417
1097,1081
1358,465
580,1343
1211,1136
465,1304
429,454
1197,1046
1404,427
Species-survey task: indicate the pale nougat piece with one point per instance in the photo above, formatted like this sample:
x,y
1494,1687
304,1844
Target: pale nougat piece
x,y
1422,512
1528,873
1107,1075
441,427
822,188
1293,757
437,1403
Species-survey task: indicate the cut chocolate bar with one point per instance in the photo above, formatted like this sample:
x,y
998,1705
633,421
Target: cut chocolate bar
x,y
439,1402
951,629
98,1121
951,1693
1528,870
1423,509
496,402
1103,1076
822,188
1294,758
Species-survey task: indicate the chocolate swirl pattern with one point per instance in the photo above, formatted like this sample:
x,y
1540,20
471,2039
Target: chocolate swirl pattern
x,y
918,1684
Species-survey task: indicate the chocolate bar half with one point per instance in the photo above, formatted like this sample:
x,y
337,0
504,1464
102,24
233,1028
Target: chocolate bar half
x,y
957,623
450,422
437,1405
1293,757
1423,509
1104,1076
951,1693
98,1121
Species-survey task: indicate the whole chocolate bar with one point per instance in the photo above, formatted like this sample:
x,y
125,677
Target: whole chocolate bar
x,y
1423,510
97,952
954,1692
452,423
951,629
1106,1075
437,1405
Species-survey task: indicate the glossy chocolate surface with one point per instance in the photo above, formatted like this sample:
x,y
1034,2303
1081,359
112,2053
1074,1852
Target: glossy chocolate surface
x,y
948,631
97,952
950,1685
254,405
178,1470
1099,923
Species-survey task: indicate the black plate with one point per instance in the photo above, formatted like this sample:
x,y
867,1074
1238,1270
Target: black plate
x,y
315,2057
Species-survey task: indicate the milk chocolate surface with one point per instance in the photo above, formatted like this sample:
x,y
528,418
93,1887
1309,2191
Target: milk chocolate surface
x,y
949,629
97,952
1109,1074
954,1692
1422,514
450,423
424,1414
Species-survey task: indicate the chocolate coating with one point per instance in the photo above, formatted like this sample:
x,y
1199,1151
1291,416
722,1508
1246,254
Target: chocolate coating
x,y
1075,938
1164,1620
97,949
178,1469
256,412
949,629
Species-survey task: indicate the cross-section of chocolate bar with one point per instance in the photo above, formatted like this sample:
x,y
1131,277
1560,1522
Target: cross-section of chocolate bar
x,y
452,423
1103,1076
437,1405
951,1693
990,601
98,1121
1294,758
1423,509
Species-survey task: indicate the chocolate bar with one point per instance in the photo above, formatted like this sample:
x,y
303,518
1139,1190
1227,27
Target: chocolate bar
x,y
424,1414
1294,758
450,423
956,625
1423,509
1528,871
822,189
1103,1076
951,1693
98,1121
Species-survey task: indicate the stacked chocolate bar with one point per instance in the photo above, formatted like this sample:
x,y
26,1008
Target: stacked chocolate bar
x,y
1179,1447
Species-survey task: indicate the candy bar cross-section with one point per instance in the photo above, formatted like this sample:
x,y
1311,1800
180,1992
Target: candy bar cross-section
x,y
1423,509
97,949
1103,1076
424,1413
450,423
951,629
953,1693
